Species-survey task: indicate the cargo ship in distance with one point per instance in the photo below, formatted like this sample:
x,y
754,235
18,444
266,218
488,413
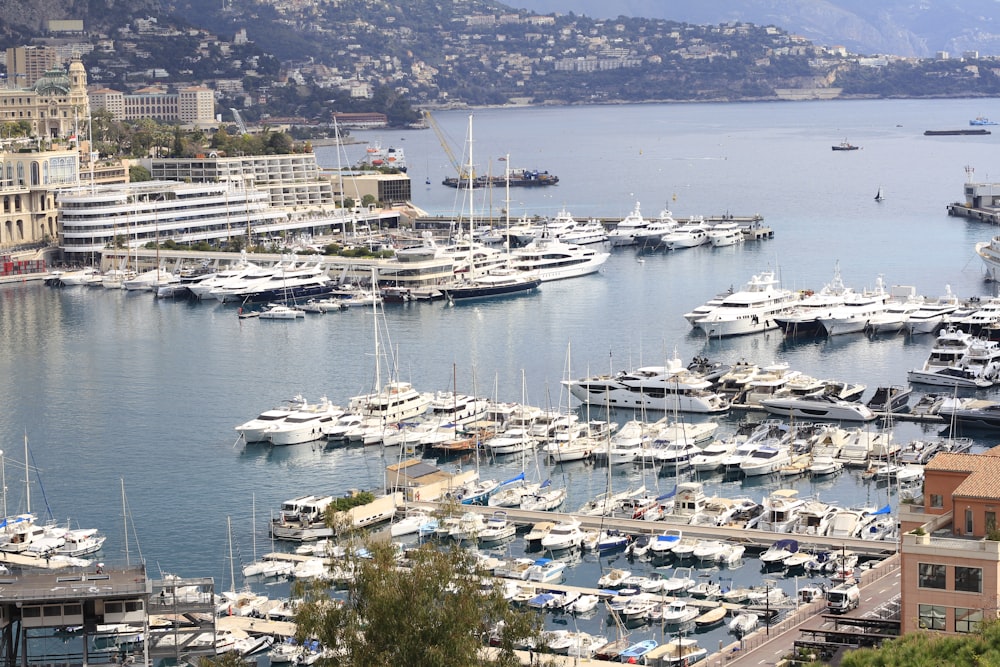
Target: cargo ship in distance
x,y
940,133
517,177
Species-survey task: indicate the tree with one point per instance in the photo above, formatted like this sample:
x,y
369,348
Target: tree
x,y
432,613
137,173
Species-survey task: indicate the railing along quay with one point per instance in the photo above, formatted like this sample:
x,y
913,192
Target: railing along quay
x,y
749,537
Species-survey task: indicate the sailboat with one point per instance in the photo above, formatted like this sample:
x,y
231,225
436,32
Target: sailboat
x,y
878,194
500,281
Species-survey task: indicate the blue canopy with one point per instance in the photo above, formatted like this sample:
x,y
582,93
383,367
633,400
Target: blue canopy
x,y
790,545
547,483
882,510
669,494
513,479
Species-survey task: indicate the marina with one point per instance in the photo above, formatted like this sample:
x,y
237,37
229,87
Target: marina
x,y
124,377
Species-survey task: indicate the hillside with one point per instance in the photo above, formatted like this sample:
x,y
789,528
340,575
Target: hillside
x,y
20,20
895,27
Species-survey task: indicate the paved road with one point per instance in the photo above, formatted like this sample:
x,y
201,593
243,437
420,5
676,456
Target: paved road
x,y
879,595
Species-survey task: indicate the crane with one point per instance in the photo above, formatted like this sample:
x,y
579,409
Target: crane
x,y
239,121
460,170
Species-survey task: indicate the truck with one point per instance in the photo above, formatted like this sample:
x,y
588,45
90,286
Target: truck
x,y
843,597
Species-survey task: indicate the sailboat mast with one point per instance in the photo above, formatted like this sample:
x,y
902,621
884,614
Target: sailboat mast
x,y
378,370
125,521
232,571
27,474
3,483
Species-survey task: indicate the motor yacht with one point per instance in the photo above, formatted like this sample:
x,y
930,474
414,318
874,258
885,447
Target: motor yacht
x,y
725,234
856,311
749,310
671,388
552,259
306,424
256,429
624,233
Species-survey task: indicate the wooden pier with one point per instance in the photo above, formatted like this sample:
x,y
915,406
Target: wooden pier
x,y
753,539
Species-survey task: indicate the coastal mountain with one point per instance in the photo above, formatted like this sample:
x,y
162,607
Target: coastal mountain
x,y
20,20
897,27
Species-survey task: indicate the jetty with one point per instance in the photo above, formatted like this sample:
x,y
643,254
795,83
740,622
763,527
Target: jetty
x,y
752,539
981,201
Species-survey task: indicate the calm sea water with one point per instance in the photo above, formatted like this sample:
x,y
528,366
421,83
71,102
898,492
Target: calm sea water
x,y
114,389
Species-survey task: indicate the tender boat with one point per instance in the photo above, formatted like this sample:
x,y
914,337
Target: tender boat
x,y
280,311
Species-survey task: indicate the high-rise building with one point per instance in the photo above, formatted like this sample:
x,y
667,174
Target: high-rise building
x,y
27,64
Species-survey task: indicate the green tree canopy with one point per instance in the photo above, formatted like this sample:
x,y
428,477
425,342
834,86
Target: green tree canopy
x,y
432,613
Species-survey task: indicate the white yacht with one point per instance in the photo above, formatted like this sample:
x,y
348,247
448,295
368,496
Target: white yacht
x,y
781,511
819,406
393,402
624,233
292,283
764,460
306,424
652,235
203,288
585,233
552,259
562,536
257,428
671,388
857,311
989,252
726,234
898,310
749,310
148,281
448,408
802,318
689,235
929,317
945,363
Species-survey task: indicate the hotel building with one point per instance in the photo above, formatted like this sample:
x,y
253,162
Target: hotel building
x,y
950,553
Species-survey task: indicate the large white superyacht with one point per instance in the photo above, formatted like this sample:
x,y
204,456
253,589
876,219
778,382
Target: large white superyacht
x,y
669,388
749,310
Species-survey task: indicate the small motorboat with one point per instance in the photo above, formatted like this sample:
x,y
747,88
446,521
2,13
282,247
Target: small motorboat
x,y
635,654
743,623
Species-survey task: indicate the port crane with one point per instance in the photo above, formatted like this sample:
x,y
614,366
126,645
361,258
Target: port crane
x,y
239,121
460,169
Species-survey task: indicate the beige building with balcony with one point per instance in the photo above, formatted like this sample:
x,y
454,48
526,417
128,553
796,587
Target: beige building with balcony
x,y
950,567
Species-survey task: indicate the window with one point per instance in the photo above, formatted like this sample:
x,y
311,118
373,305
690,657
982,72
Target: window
x,y
931,617
969,579
968,522
937,500
931,575
991,521
968,620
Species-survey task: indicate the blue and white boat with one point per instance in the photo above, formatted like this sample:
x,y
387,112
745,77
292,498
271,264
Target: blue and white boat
x,y
635,653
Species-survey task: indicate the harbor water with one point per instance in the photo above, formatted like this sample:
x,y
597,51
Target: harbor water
x,y
128,403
